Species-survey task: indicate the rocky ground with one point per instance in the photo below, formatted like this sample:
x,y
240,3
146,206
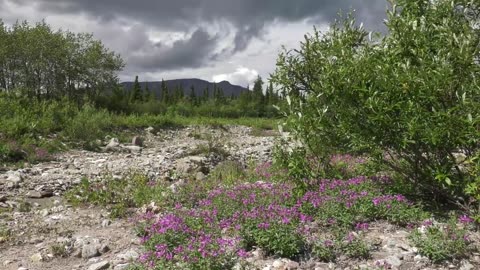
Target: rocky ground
x,y
45,232
44,227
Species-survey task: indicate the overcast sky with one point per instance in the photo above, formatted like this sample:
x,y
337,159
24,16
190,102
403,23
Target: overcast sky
x,y
217,40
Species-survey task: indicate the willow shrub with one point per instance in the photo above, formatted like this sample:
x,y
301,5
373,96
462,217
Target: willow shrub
x,y
410,99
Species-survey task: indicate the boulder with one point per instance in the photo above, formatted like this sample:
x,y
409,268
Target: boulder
x,y
138,141
99,266
113,144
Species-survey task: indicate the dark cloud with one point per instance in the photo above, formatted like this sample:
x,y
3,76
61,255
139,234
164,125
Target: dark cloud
x,y
192,52
182,13
247,18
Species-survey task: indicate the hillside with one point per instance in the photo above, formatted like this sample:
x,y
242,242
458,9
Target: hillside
x,y
187,84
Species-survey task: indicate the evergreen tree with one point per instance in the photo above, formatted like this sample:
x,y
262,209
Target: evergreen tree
x,y
269,95
206,94
165,97
146,93
259,98
136,91
193,97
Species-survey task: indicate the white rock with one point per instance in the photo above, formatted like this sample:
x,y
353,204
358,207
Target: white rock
x,y
99,266
37,257
393,261
89,251
130,255
122,266
112,144
278,264
466,265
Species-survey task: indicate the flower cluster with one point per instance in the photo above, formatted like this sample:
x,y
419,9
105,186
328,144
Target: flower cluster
x,y
228,222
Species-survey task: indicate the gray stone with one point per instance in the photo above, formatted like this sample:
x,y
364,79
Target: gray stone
x,y
34,194
138,141
129,255
419,258
175,186
3,198
133,148
278,264
44,212
37,257
393,261
114,143
106,223
200,176
466,265
15,177
90,251
189,165
104,248
150,129
99,266
291,265
122,266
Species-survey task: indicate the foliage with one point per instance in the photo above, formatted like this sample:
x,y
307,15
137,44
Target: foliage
x,y
248,213
409,100
59,250
5,234
132,190
440,243
38,62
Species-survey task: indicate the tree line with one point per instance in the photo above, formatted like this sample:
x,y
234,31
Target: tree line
x,y
39,62
187,102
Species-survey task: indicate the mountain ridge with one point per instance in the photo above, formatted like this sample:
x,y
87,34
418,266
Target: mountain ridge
x,y
199,86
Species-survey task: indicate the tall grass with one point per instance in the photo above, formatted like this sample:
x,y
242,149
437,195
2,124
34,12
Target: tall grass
x,y
27,125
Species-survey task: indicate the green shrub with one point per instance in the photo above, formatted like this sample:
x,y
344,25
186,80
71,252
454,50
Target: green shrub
x,y
132,190
88,125
440,243
409,100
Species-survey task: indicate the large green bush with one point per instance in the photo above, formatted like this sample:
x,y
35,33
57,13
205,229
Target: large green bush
x,y
410,99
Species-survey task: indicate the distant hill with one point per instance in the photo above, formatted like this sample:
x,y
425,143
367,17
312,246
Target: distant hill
x,y
186,84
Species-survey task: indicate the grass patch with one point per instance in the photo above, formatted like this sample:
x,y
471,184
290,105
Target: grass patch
x,y
442,242
133,190
32,130
5,234
59,250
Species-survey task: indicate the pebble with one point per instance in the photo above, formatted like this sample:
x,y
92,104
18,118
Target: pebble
x,y
123,266
99,266
37,257
89,251
393,261
106,223
466,265
130,255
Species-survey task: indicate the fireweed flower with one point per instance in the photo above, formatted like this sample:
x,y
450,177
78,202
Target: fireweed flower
x,y
263,225
361,226
242,253
465,219
427,223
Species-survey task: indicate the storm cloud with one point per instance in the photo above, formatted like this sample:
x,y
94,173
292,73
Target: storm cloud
x,y
168,36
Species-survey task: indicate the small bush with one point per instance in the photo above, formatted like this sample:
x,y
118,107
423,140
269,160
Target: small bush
x,y
440,243
133,190
5,234
59,250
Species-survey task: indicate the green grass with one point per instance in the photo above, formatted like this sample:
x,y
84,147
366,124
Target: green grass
x,y
133,190
32,130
